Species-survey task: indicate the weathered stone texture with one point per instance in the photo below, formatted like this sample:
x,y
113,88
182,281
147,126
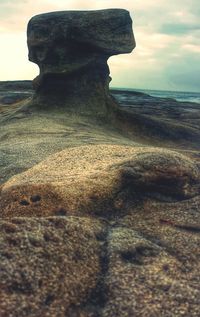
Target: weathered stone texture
x,y
71,49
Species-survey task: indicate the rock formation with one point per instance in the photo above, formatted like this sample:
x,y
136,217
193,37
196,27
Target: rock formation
x,y
96,220
71,49
103,180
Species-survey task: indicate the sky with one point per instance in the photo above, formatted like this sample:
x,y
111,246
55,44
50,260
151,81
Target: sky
x,y
167,33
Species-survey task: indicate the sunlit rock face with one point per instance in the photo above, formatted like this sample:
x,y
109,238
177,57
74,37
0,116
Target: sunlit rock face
x,y
71,49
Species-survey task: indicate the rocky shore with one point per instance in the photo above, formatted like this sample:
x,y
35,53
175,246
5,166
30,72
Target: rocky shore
x,y
100,190
129,207
143,120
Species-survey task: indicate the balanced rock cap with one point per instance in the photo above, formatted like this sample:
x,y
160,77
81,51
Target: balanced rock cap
x,y
107,31
71,49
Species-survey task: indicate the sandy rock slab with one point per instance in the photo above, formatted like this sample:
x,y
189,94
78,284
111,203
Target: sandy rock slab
x,y
102,231
99,179
144,279
48,267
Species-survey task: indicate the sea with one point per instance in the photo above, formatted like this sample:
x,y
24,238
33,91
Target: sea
x,y
177,95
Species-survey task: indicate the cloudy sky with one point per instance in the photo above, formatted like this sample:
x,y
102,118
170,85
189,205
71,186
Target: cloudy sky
x,y
167,34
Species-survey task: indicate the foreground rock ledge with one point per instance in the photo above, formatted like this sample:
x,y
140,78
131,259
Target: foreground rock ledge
x,y
71,49
101,230
103,180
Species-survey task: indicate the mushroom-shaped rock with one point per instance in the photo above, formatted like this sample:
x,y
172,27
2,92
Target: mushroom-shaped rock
x,y
71,49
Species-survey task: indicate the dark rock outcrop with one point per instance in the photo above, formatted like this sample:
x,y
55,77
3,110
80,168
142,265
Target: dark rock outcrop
x,y
71,49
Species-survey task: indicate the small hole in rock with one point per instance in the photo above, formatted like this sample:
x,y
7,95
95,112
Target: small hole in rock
x,y
40,282
49,236
35,242
132,257
165,267
77,256
6,255
24,202
60,212
100,236
35,198
146,251
165,288
9,227
49,299
12,241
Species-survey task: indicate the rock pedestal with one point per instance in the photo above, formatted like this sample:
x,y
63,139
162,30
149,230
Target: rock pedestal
x,y
71,49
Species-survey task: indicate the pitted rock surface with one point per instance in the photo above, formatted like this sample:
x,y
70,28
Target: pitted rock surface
x,y
103,180
43,263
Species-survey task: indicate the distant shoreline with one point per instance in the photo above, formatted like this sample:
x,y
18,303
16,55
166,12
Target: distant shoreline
x,y
176,95
182,96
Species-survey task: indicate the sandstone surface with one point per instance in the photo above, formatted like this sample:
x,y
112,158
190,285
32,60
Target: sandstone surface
x,y
71,49
99,202
99,179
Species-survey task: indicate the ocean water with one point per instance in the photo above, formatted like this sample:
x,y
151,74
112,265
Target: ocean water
x,y
177,95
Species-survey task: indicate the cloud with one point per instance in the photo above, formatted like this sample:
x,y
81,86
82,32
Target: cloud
x,y
179,29
186,73
15,14
8,2
192,48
